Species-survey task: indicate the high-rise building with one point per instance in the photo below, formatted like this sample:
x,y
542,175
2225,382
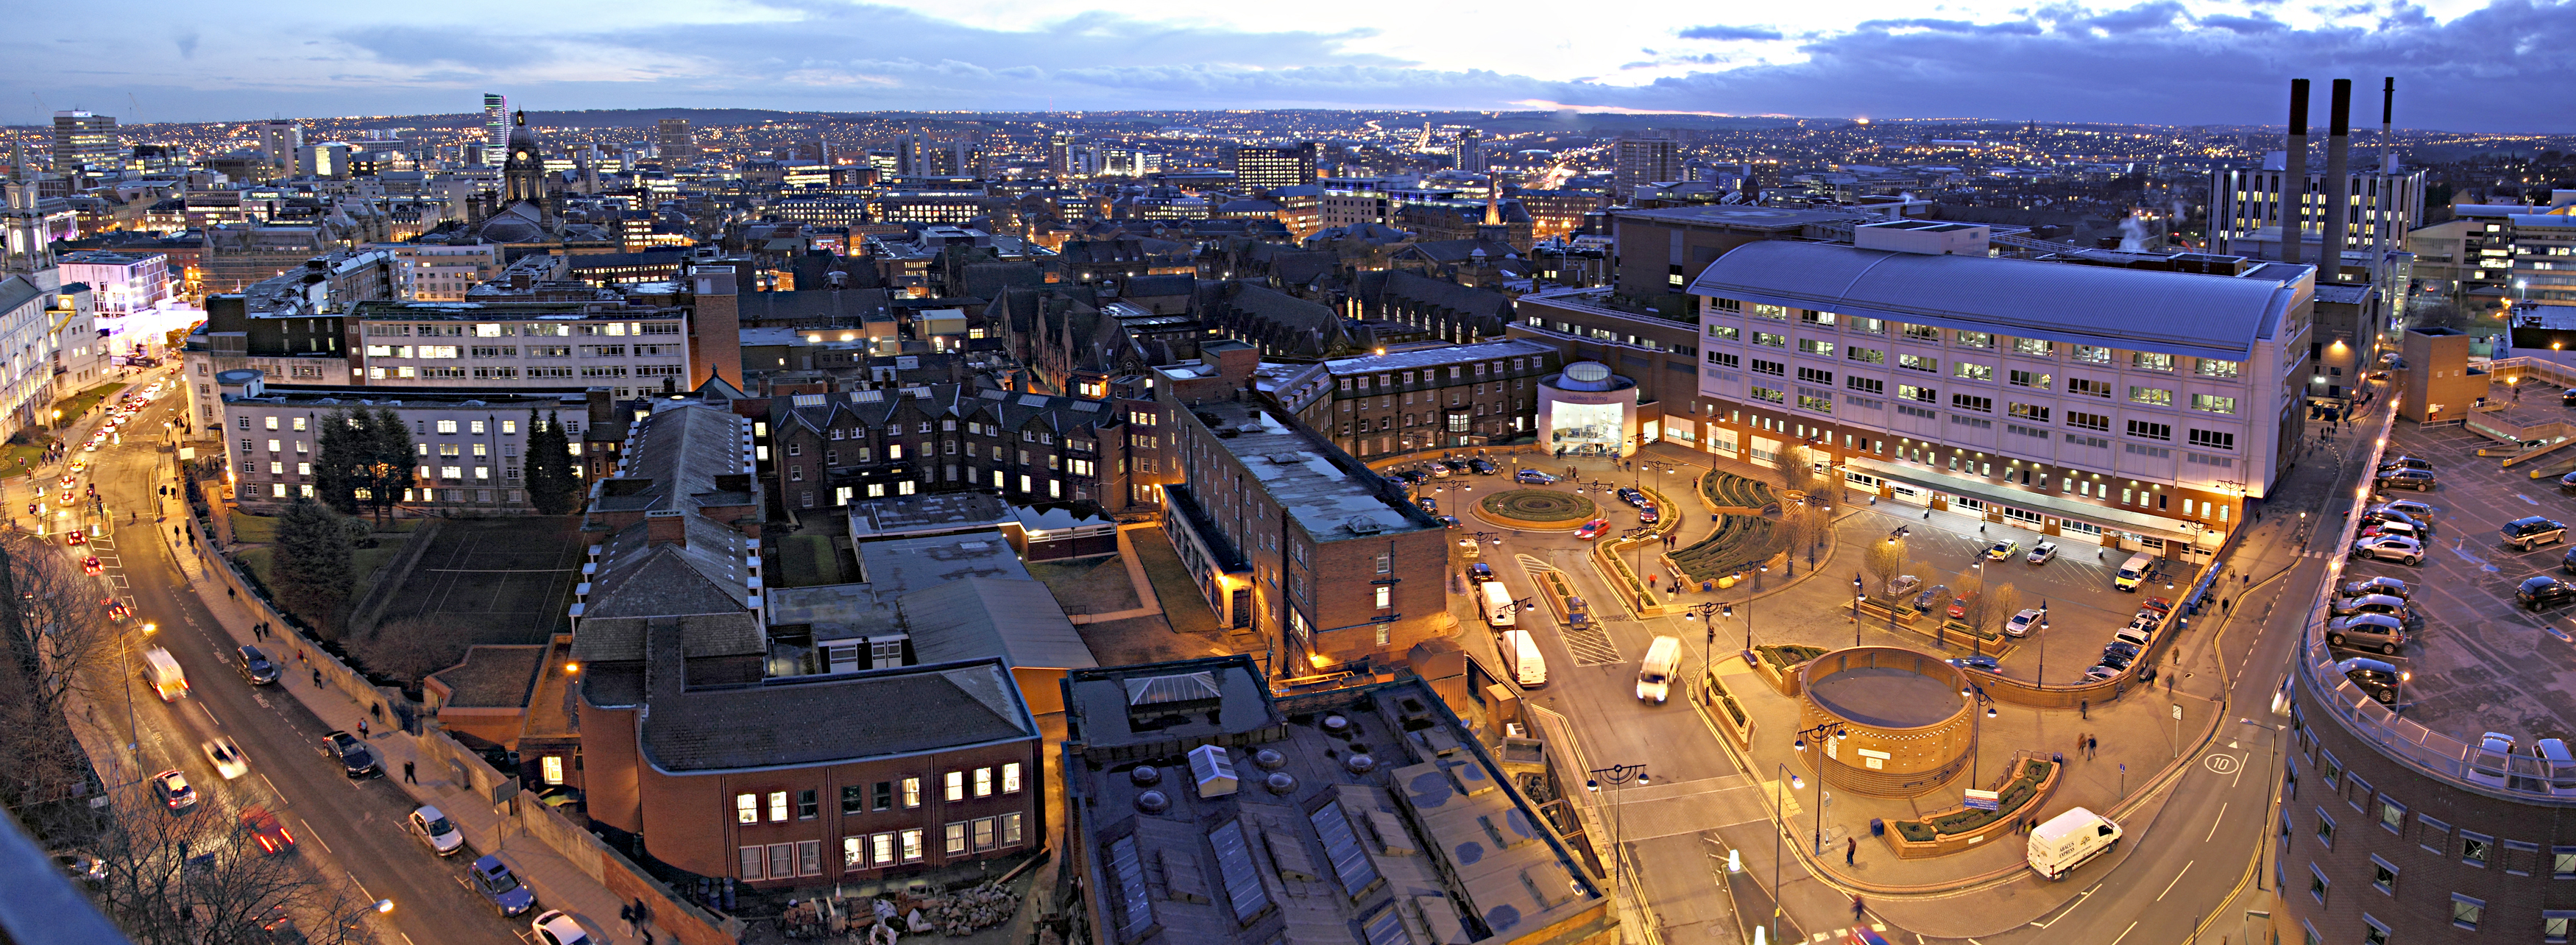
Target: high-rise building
x,y
279,141
1471,157
82,139
677,144
1265,167
1642,161
496,126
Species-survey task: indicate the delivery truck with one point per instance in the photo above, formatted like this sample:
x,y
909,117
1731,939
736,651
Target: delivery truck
x,y
162,671
2069,839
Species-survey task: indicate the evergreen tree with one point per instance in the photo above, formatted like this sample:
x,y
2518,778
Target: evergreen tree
x,y
310,575
364,461
390,471
552,488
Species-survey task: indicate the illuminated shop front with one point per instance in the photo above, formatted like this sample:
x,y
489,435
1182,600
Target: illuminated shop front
x,y
1588,410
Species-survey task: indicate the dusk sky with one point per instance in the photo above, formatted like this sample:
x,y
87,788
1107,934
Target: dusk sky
x,y
2461,65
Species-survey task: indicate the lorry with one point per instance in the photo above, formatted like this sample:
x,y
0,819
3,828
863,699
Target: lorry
x,y
1655,674
2067,840
162,671
1494,601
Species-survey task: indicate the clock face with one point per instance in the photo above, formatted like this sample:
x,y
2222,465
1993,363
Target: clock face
x,y
523,155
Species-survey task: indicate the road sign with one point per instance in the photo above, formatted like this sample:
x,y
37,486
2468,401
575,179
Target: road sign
x,y
1981,800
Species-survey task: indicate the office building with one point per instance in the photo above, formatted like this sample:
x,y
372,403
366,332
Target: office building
x,y
472,443
496,127
84,140
124,282
1441,397
1263,167
280,141
1636,162
1203,810
1471,156
439,272
1291,538
27,313
635,349
673,140
2144,416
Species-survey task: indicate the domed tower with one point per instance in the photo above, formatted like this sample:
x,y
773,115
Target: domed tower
x,y
523,173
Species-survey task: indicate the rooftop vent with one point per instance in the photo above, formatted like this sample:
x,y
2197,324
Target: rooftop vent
x,y
1363,525
1269,759
1336,725
1153,802
1360,764
1145,776
1214,771
1281,783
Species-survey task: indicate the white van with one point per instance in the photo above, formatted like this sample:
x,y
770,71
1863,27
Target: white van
x,y
162,671
2134,571
1529,669
1655,675
2069,839
1495,603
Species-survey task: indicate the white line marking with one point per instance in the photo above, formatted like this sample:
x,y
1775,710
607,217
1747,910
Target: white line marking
x,y
2524,498
2213,822
2124,933
2178,874
2240,770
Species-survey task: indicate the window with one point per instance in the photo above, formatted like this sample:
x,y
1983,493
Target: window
x,y
1975,339
2383,875
1870,325
911,793
2392,815
1866,384
2553,925
1922,332
1770,340
2317,884
1011,778
2034,347
2212,367
1768,395
444,426
1821,349
1916,362
2149,361
806,807
2213,439
2034,379
1972,402
1816,376
953,837
1974,372
1724,359
2466,912
1011,829
2374,932
956,786
983,782
1919,394
2562,862
809,858
2325,829
777,806
854,799
2152,431
2156,396
2092,355
1773,312
1773,368
551,768
1818,401
2213,403
2476,848
912,846
1385,597
755,861
746,808
1725,333
2027,412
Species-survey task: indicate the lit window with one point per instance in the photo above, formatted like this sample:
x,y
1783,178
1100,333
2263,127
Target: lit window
x,y
552,765
953,838
912,846
956,786
983,782
911,793
1011,778
777,806
746,808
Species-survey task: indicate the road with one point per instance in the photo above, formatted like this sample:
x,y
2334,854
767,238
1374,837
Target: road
x,y
355,827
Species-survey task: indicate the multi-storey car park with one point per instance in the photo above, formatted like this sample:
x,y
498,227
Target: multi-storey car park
x,y
2138,408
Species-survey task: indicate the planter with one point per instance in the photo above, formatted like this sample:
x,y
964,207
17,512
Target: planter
x,y
1540,510
1778,665
1724,712
2025,786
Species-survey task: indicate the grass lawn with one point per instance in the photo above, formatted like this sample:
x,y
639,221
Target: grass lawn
x,y
809,561
262,529
367,563
16,453
80,403
1183,608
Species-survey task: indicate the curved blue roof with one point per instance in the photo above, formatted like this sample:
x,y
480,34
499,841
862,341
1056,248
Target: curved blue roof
x,y
2205,316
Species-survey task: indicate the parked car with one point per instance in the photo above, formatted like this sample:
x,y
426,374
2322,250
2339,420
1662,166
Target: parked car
x,y
1479,573
1482,466
2119,655
1592,529
2377,632
267,831
2378,585
1448,521
2568,482
2023,623
2367,604
1533,477
433,828
2543,591
1986,663
2406,551
555,927
356,759
2493,760
256,666
1959,604
2161,606
2101,671
2002,549
2043,553
494,880
1923,601
1437,471
2528,532
227,757
2376,678
172,788
1647,515
1903,585
91,566
1454,465
2413,509
1631,496
1427,504
2416,479
2399,529
2402,461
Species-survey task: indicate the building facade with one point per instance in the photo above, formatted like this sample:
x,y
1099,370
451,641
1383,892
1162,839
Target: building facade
x,y
1265,167
471,447
1447,397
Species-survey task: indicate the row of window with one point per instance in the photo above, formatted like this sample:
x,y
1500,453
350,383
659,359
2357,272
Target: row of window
x,y
1390,380
528,329
1960,338
882,795
2434,836
1819,401
879,850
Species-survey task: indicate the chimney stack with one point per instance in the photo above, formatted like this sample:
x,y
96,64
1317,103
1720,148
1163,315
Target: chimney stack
x,y
2294,177
2338,183
2387,135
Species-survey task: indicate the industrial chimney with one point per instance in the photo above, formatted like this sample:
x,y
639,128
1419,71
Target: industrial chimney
x,y
2387,133
2338,183
2294,177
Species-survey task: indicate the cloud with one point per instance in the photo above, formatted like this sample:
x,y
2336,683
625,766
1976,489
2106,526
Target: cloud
x,y
2257,23
1730,32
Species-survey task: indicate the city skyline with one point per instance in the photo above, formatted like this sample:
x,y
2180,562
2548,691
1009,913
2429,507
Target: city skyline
x,y
2164,61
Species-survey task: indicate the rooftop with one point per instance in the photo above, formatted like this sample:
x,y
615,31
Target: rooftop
x,y
491,676
773,722
1757,219
901,566
1437,355
1329,494
926,514
2209,316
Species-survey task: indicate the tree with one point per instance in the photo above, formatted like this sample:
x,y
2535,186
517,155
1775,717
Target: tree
x,y
1997,606
363,461
60,644
408,649
203,877
1884,561
552,488
311,576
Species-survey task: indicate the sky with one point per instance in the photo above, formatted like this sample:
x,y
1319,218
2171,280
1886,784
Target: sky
x,y
2461,65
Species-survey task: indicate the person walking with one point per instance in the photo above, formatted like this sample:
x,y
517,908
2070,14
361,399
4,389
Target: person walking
x,y
1857,910
407,774
317,677
1851,848
362,728
2091,744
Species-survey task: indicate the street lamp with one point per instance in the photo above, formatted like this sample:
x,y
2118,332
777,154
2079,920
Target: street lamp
x,y
1780,806
1818,733
1976,693
1860,595
1707,615
1618,776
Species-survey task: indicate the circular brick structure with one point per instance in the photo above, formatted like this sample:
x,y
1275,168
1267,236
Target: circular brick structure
x,y
1536,509
1906,729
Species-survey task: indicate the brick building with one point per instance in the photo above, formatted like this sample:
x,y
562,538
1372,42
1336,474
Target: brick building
x,y
1429,397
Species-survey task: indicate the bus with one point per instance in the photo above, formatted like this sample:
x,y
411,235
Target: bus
x,y
1495,604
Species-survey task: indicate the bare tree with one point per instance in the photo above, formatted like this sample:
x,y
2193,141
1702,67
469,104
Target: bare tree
x,y
408,649
61,644
201,876
1990,608
1884,561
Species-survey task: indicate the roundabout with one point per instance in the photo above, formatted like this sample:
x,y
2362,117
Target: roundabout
x,y
1536,510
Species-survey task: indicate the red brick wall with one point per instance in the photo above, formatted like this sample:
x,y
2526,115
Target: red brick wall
x,y
690,818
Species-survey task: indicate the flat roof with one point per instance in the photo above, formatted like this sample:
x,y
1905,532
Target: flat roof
x,y
2204,316
1298,472
1437,355
1734,217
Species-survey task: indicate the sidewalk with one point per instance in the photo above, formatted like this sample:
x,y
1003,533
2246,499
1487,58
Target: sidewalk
x,y
558,883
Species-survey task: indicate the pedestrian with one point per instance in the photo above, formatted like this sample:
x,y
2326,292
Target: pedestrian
x,y
626,914
317,677
1851,848
362,728
1857,910
2079,743
2090,745
407,774
2226,605
2084,708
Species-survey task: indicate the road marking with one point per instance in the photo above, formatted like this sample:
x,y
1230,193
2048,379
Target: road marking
x,y
2124,933
2524,498
2070,907
2220,764
2241,765
2214,821
2177,880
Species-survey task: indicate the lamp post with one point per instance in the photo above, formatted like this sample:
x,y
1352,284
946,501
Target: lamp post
x,y
1976,724
1780,805
1860,595
1707,614
1819,734
1618,776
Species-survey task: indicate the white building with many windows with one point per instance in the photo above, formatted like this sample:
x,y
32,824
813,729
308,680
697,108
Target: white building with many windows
x,y
629,348
2135,407
471,446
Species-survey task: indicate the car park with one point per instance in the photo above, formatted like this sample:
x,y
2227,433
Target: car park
x,y
226,757
2528,532
434,829
2376,678
1986,663
555,927
2043,553
2378,585
501,887
2542,592
2390,548
2023,623
1532,477
356,759
267,831
2376,632
2002,550
1924,600
1592,529
1482,466
2416,479
172,788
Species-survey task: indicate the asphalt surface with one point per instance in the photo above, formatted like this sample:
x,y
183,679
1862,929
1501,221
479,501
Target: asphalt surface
x,y
355,827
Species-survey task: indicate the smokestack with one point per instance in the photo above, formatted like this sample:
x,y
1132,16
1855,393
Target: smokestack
x,y
2338,182
2387,133
2294,177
